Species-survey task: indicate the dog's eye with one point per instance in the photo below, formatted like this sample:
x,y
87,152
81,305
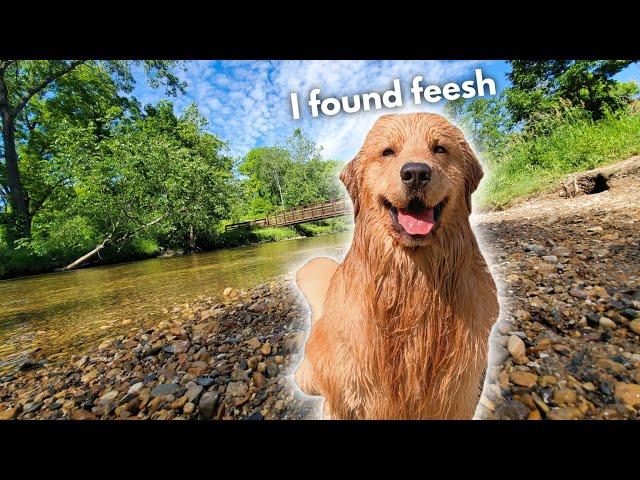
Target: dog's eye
x,y
387,151
439,149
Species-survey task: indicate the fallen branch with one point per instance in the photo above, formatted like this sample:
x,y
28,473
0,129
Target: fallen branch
x,y
75,264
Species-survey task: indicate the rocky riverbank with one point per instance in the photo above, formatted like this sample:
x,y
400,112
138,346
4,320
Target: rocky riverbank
x,y
207,360
568,345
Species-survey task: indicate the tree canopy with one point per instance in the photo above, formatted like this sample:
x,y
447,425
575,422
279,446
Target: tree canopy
x,y
88,171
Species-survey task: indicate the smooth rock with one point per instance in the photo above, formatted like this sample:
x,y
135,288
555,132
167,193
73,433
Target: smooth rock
x,y
83,414
205,382
565,413
207,405
607,323
236,389
628,393
634,326
194,392
516,347
135,388
523,379
164,389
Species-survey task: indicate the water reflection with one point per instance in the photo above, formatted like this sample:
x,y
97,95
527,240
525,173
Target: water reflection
x,y
63,312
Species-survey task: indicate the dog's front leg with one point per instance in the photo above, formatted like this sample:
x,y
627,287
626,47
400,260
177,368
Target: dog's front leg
x,y
304,378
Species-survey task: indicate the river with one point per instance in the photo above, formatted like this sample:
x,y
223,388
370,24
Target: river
x,y
65,312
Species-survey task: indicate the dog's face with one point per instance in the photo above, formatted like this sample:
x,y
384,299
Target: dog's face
x,y
413,177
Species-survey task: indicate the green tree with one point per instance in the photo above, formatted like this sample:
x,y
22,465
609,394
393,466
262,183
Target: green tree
x,y
266,169
541,86
485,120
288,175
159,176
24,83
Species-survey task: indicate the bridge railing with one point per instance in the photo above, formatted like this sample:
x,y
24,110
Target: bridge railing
x,y
301,214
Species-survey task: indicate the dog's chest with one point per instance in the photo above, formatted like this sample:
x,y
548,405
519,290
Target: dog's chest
x,y
411,374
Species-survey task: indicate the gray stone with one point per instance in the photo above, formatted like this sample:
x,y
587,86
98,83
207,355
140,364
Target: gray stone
x,y
208,404
236,389
193,393
164,389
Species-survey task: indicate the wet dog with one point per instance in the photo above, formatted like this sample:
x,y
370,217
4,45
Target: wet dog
x,y
400,329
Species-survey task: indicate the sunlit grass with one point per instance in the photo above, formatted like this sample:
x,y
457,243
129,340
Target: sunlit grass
x,y
530,166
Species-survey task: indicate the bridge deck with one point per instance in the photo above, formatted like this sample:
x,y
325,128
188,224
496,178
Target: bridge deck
x,y
293,216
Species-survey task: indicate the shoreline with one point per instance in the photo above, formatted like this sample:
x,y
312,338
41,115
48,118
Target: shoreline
x,y
206,360
163,255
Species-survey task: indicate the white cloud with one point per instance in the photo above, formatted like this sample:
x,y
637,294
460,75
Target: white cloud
x,y
247,102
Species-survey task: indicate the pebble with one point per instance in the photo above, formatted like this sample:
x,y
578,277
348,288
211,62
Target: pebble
x,y
258,379
164,389
607,323
523,379
512,410
208,404
205,382
634,326
107,397
516,347
194,392
236,389
565,396
628,393
32,407
266,349
9,413
565,413
135,388
82,414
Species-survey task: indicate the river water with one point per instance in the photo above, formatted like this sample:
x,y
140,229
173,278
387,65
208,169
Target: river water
x,y
63,313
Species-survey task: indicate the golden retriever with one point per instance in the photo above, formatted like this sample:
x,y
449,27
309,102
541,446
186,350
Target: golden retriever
x,y
400,329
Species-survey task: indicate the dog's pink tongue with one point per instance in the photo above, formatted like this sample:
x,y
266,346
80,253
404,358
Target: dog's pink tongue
x,y
416,223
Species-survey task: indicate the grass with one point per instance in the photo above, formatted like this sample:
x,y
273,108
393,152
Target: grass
x,y
236,238
529,166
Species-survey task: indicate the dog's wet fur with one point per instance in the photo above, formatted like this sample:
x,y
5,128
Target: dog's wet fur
x,y
400,329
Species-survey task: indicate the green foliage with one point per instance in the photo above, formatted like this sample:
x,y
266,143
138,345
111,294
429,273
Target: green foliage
x,y
324,227
538,87
285,176
485,121
557,117
34,96
239,237
527,165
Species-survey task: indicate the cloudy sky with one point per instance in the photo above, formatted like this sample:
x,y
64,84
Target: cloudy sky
x,y
248,102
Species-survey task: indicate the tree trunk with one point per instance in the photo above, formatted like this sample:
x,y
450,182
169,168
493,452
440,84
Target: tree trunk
x,y
280,191
88,256
17,198
192,239
108,240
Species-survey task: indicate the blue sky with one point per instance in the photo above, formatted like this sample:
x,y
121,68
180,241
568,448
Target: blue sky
x,y
248,102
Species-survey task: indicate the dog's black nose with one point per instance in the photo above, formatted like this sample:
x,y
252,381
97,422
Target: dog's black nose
x,y
415,175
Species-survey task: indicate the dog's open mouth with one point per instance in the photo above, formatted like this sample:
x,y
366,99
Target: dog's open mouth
x,y
416,219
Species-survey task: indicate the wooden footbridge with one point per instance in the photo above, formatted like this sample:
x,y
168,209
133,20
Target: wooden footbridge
x,y
293,216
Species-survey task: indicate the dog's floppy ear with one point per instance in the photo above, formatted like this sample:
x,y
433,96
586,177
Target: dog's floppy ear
x,y
350,177
473,173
